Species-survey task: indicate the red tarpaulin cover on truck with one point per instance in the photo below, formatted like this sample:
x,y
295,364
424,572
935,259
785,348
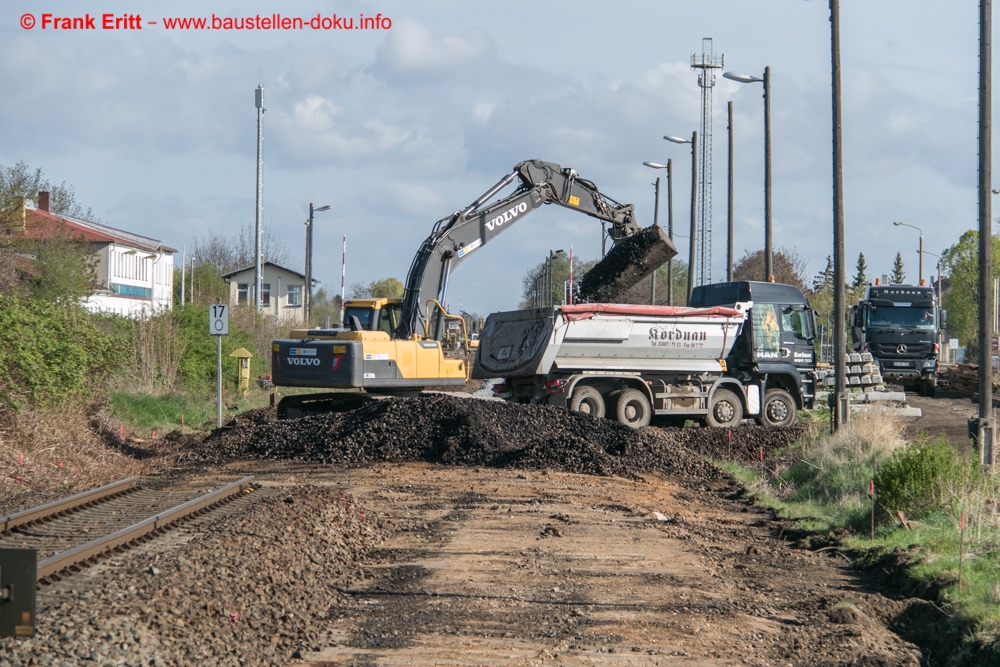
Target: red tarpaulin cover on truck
x,y
582,311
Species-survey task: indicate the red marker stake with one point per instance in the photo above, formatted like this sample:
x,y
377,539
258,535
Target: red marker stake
x,y
961,549
871,493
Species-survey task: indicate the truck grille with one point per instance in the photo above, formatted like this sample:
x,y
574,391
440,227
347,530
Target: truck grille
x,y
913,350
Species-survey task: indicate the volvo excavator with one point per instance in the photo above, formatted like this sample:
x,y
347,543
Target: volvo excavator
x,y
400,346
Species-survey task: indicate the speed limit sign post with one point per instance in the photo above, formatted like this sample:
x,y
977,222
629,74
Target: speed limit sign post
x,y
218,326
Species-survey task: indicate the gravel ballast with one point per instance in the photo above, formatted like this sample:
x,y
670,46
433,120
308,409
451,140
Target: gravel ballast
x,y
252,589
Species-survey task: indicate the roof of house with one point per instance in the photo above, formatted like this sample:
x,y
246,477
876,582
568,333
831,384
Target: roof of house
x,y
89,231
253,267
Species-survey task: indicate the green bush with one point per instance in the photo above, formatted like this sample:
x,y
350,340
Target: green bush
x,y
49,352
927,476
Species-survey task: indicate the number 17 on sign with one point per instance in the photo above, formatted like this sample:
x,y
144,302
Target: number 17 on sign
x,y
218,319
218,326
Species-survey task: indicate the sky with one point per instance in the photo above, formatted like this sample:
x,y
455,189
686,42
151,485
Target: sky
x,y
398,127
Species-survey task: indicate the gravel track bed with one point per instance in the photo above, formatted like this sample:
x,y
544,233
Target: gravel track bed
x,y
249,590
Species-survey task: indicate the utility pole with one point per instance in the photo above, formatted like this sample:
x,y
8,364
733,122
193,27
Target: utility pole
x,y
670,230
258,241
729,236
985,430
840,406
656,223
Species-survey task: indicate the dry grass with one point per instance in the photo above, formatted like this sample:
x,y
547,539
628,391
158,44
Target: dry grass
x,y
840,465
62,450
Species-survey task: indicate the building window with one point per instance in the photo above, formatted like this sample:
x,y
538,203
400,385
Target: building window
x,y
295,295
241,293
131,291
265,294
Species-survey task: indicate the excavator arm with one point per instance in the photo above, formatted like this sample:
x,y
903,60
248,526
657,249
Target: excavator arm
x,y
456,237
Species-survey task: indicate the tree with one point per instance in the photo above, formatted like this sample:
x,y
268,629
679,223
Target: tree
x,y
534,278
386,288
325,308
898,276
860,282
824,279
789,267
19,181
962,297
237,252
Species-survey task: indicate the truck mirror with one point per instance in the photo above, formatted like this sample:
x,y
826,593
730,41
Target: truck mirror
x,y
944,319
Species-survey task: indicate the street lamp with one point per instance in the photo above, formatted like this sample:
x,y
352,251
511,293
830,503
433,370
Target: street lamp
x,y
307,297
766,80
694,201
921,251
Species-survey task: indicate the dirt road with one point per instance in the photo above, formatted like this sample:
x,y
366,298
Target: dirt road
x,y
493,566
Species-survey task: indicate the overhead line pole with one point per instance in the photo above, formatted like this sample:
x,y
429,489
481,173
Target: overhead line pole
x,y
985,431
840,404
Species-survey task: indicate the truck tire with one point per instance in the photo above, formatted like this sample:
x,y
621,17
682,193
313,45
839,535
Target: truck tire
x,y
726,409
631,408
778,409
927,387
587,400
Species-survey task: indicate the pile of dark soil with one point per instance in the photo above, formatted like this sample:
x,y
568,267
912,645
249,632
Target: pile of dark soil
x,y
631,260
462,431
743,443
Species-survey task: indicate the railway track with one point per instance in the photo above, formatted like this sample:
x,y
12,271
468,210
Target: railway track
x,y
69,533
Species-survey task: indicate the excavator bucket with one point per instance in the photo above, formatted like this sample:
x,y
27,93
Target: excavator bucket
x,y
632,259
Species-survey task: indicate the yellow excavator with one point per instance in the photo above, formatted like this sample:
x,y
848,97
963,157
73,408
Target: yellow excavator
x,y
401,346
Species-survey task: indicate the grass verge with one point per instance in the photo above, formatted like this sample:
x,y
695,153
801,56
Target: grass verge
x,y
823,484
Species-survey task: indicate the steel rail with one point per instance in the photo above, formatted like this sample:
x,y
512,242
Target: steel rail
x,y
62,561
57,507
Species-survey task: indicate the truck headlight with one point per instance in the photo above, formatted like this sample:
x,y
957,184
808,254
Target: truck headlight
x,y
929,363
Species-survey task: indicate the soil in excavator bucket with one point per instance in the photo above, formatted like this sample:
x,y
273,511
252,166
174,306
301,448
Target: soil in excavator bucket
x,y
632,259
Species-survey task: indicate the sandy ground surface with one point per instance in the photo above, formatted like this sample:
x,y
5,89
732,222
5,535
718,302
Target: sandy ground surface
x,y
946,413
489,566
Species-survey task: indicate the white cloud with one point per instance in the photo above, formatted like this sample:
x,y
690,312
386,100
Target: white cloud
x,y
411,48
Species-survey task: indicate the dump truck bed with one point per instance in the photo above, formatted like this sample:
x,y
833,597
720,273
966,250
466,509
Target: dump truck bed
x,y
606,337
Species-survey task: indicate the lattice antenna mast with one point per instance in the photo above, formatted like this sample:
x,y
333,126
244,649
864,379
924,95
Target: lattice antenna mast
x,y
707,62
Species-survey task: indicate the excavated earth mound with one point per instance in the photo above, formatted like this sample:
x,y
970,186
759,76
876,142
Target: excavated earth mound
x,y
462,431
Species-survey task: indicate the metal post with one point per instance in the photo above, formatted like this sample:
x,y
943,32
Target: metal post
x,y
921,259
218,382
656,223
694,211
670,230
985,434
768,243
343,275
307,296
840,407
729,237
258,242
183,269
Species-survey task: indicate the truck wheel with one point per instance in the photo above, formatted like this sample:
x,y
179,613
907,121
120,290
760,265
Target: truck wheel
x,y
632,408
778,408
726,409
588,401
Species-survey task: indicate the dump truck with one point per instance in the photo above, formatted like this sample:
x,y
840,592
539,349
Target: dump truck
x,y
400,346
739,350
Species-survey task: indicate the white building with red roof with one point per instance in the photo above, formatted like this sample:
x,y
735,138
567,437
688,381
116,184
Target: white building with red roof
x,y
134,274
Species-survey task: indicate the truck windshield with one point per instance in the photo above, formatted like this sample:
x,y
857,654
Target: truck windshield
x,y
906,317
